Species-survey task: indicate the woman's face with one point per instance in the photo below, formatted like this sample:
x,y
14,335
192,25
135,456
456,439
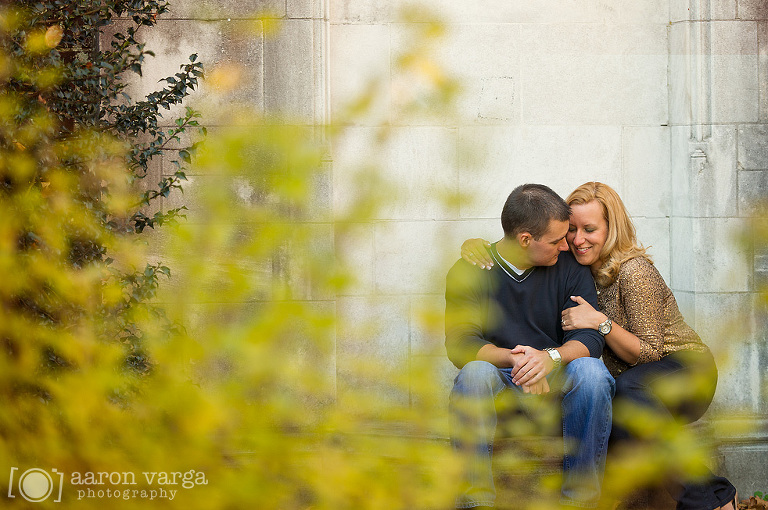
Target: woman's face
x,y
587,233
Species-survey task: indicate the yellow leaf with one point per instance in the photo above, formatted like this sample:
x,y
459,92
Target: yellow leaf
x,y
53,36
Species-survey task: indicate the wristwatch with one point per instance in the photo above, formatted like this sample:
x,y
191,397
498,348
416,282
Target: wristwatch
x,y
605,327
555,355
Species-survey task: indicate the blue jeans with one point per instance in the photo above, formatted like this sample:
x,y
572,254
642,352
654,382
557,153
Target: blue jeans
x,y
587,389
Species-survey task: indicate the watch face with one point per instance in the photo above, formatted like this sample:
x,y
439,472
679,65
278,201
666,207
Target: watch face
x,y
605,327
555,355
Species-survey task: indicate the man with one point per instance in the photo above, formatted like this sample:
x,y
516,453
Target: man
x,y
503,331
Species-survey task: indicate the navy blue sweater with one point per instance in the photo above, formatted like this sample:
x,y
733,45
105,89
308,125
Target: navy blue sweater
x,y
504,309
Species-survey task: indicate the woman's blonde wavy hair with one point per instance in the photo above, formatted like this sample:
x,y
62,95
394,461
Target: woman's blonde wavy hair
x,y
621,244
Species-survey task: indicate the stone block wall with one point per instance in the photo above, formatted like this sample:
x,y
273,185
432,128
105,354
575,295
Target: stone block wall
x,y
552,94
665,100
718,140
718,80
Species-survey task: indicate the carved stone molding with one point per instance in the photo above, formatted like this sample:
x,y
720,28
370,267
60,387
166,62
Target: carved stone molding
x,y
700,68
322,69
698,158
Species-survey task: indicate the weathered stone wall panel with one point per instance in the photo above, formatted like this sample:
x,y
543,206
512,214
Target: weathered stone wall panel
x,y
236,47
486,59
762,50
373,334
734,72
753,190
289,71
562,85
225,9
359,59
645,163
714,185
363,11
654,235
753,147
752,9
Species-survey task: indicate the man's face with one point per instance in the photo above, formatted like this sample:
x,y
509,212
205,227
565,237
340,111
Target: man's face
x,y
545,250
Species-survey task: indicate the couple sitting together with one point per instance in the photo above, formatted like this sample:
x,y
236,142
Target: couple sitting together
x,y
523,317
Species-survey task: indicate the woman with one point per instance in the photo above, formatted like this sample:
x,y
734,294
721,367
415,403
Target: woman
x,y
649,347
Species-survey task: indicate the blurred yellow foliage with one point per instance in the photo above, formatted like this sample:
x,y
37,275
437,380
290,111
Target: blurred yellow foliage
x,y
242,391
241,387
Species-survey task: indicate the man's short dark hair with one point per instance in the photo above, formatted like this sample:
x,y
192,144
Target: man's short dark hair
x,y
530,208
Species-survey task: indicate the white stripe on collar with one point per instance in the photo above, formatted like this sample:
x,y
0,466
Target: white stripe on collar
x,y
511,265
503,262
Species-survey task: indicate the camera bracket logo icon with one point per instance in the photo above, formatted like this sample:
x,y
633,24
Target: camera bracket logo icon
x,y
36,485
